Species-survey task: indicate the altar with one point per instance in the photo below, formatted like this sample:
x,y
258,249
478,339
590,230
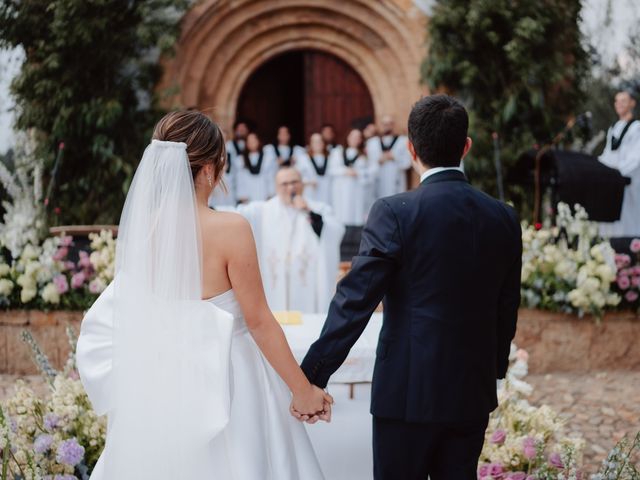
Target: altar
x,y
358,367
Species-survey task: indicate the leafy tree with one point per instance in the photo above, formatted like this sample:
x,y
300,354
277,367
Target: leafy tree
x,y
87,84
519,66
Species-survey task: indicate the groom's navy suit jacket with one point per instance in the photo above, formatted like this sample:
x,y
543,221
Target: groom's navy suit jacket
x,y
446,259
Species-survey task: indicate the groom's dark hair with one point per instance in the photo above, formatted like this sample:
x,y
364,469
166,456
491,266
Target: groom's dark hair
x,y
438,127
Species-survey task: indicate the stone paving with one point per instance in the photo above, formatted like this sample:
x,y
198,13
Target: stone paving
x,y
600,406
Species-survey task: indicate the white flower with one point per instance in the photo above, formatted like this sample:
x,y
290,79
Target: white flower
x,y
27,294
4,269
50,294
6,287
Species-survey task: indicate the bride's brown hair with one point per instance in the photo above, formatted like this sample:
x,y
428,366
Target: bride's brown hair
x,y
204,139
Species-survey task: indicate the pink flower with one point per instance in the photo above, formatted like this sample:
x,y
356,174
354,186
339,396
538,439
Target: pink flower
x,y
84,261
498,437
622,260
635,245
636,270
623,282
60,253
77,280
66,241
522,354
631,296
556,460
517,476
496,470
484,470
635,281
60,281
529,448
69,265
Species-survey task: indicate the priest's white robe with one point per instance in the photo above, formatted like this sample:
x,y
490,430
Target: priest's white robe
x,y
315,175
352,195
626,158
299,269
257,185
392,175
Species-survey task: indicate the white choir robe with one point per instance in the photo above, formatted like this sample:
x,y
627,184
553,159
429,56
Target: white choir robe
x,y
317,186
299,269
287,152
392,175
627,160
220,198
258,187
352,196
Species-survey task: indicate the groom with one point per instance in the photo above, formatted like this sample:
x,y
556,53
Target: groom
x,y
446,259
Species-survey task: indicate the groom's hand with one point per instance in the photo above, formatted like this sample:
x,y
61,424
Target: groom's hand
x,y
320,412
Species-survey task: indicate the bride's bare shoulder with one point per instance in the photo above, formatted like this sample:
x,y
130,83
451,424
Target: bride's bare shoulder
x,y
227,225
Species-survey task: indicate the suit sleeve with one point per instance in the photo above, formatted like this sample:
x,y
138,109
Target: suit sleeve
x,y
509,303
357,295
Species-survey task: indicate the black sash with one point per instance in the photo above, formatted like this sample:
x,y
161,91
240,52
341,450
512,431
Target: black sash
x,y
390,146
239,151
616,142
286,162
228,162
348,162
254,170
319,170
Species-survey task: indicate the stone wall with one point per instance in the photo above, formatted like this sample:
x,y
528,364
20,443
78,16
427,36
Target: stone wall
x,y
555,342
48,328
561,343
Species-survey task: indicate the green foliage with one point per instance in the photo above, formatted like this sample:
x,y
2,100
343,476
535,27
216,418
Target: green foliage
x,y
88,81
518,65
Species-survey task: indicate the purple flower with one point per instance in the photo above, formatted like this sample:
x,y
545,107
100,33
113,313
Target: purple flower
x,y
43,443
77,280
60,281
631,296
498,437
484,470
635,245
70,452
556,460
51,421
529,448
623,282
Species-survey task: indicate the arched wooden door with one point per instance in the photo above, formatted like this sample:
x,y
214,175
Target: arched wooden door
x,y
304,90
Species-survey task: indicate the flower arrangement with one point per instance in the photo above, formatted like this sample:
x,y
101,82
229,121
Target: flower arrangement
x,y
44,277
55,438
524,442
567,268
24,220
627,283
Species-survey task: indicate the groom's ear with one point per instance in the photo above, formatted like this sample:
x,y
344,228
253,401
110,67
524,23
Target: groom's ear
x,y
412,150
467,146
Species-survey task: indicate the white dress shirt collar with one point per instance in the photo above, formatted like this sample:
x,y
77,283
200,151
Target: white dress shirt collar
x,y
433,171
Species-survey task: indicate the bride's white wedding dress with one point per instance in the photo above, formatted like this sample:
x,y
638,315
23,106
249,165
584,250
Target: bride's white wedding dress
x,y
261,440
187,392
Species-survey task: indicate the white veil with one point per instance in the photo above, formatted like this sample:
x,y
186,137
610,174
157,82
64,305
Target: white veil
x,y
170,380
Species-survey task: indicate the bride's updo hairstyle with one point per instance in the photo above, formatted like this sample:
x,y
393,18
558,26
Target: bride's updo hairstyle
x,y
205,143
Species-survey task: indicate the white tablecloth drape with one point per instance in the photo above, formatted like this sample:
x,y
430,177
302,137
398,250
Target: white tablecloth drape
x,y
358,366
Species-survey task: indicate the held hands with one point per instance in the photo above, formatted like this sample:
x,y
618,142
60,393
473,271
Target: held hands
x,y
311,405
300,203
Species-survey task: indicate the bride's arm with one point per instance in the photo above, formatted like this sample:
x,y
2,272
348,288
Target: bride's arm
x,y
244,274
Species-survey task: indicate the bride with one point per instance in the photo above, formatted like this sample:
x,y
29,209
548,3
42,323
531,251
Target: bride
x,y
181,351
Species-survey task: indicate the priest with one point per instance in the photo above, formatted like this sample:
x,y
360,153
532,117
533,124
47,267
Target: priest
x,y
298,244
622,151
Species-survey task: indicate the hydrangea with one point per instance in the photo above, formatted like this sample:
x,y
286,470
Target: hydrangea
x,y
70,452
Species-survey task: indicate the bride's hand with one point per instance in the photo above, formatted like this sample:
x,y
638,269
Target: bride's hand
x,y
311,405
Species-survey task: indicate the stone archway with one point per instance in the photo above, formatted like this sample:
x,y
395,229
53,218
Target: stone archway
x,y
224,41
